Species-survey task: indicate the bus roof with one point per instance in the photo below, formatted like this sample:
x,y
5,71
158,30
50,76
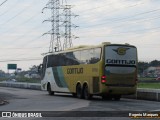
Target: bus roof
x,y
83,47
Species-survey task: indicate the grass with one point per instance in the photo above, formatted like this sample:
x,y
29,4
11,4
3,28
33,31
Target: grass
x,y
140,85
3,79
149,85
146,78
29,80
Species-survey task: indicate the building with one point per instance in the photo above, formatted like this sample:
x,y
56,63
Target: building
x,y
152,72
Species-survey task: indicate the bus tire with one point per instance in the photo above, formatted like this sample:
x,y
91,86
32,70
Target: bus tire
x,y
106,97
74,94
50,92
79,91
117,97
86,93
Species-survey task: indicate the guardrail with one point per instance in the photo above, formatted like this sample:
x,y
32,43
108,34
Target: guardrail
x,y
149,81
34,86
141,94
145,94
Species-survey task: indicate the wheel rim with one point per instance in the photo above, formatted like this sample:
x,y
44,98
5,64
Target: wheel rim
x,y
118,97
50,92
78,91
86,94
49,89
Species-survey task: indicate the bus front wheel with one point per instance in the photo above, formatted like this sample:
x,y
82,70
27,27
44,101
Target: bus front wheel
x,y
50,92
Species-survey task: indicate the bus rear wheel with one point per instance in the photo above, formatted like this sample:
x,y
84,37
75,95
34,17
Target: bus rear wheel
x,y
79,91
117,97
74,94
87,95
50,92
106,97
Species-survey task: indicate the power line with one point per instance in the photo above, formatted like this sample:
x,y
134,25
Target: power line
x,y
32,52
3,2
88,10
134,31
11,7
24,59
23,48
43,46
109,12
125,18
124,24
26,33
19,13
31,18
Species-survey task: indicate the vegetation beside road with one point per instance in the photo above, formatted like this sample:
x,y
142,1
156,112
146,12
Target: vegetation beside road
x,y
146,78
140,84
27,80
148,82
149,85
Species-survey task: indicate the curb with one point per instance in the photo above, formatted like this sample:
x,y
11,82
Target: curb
x,y
141,94
146,94
33,86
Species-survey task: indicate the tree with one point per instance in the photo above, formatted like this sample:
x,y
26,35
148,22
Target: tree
x,y
142,66
154,63
34,68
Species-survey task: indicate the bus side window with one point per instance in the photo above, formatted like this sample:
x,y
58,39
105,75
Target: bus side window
x,y
56,60
96,54
69,58
85,56
77,57
62,60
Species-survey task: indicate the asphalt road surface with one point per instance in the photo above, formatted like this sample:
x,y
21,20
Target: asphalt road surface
x,y
34,100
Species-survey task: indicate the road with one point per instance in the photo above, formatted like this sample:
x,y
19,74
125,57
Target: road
x,y
34,100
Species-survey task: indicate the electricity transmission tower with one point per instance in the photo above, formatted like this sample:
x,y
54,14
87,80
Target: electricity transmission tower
x,y
60,18
55,43
68,25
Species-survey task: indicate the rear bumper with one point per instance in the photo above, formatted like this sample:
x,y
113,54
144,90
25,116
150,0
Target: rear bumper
x,y
113,90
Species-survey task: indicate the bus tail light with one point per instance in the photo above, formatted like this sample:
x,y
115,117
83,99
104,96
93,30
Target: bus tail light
x,y
103,79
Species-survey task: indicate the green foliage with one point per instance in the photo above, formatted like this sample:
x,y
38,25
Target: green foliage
x,y
154,63
22,79
146,78
29,80
144,65
3,79
149,85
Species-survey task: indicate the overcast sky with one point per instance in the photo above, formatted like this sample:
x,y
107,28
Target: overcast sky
x,y
135,22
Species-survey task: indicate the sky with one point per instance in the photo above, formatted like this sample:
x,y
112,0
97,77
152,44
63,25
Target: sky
x,y
136,22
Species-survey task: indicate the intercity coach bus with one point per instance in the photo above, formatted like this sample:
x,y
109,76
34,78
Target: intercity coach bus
x,y
107,70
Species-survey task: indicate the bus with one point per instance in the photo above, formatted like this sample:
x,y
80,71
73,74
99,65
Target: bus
x,y
107,70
